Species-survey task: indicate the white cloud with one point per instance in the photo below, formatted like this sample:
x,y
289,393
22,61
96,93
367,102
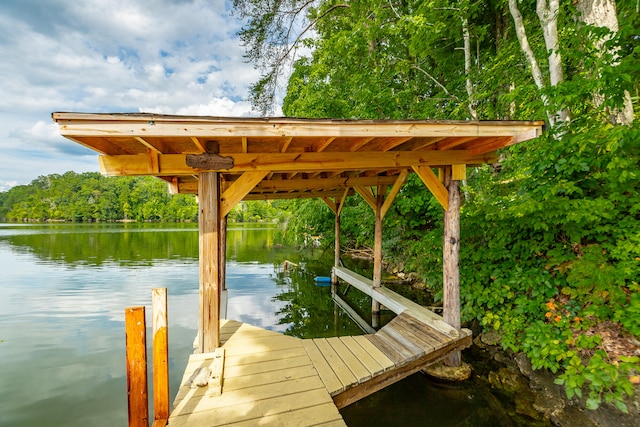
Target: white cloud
x,y
163,56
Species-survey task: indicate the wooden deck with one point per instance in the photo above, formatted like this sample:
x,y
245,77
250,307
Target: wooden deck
x,y
273,379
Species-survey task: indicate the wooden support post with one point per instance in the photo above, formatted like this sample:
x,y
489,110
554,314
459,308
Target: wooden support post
x,y
209,229
377,255
136,353
336,255
223,253
451,260
160,357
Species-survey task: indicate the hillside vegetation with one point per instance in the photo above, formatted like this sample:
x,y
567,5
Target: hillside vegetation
x,y
550,250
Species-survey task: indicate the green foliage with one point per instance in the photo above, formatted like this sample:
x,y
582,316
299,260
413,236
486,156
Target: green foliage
x,y
92,197
550,253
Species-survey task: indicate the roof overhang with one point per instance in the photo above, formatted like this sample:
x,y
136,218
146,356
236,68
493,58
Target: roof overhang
x,y
285,157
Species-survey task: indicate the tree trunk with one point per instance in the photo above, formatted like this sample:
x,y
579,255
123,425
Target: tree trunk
x,y
467,68
602,13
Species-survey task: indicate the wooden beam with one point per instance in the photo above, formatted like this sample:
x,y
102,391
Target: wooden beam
x,y
148,144
343,199
199,145
160,347
175,164
136,355
319,183
330,203
458,172
451,260
87,124
153,164
367,195
245,144
433,184
239,189
209,242
285,145
394,191
322,144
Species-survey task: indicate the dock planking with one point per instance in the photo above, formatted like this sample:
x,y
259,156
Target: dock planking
x,y
273,379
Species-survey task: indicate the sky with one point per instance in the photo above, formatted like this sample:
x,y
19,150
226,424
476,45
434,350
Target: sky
x,y
156,56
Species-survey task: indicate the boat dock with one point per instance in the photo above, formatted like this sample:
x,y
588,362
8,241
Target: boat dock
x,y
268,378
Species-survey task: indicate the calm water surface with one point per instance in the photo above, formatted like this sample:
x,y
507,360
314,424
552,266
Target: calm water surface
x,y
64,288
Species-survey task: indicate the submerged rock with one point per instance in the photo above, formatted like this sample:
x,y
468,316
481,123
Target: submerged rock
x,y
449,373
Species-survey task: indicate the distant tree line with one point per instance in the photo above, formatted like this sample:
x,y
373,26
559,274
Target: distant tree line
x,y
89,197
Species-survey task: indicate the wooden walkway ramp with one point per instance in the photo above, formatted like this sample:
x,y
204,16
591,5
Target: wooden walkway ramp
x,y
354,367
273,379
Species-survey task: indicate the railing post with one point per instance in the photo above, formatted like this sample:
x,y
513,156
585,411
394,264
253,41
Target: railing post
x,y
160,357
136,353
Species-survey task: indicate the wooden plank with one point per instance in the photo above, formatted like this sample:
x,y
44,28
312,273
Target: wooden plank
x,y
408,352
136,357
321,415
352,362
391,376
284,373
197,401
160,349
271,364
342,371
331,381
362,283
260,344
303,408
372,350
415,334
387,348
249,357
216,379
320,183
365,358
433,184
109,124
397,336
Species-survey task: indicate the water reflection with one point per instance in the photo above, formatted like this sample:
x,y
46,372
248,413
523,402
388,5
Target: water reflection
x,y
63,291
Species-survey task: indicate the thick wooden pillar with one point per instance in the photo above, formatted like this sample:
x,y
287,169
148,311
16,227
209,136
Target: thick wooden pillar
x,y
210,249
451,260
377,255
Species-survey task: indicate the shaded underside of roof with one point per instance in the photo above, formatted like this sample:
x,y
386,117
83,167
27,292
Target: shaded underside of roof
x,y
286,157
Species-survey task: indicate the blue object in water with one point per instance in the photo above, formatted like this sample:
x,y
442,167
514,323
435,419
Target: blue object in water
x,y
323,281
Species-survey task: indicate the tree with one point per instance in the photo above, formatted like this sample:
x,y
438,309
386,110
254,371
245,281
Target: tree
x,y
552,236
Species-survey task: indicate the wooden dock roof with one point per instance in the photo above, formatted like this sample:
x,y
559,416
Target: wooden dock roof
x,y
271,158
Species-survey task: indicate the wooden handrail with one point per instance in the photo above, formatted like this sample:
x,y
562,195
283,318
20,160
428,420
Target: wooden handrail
x,y
394,302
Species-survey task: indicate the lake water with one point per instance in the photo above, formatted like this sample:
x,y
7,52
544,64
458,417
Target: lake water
x,y
64,288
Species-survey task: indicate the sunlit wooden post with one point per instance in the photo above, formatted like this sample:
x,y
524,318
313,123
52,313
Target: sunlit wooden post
x,y
377,255
336,255
223,253
209,239
136,354
160,356
451,257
